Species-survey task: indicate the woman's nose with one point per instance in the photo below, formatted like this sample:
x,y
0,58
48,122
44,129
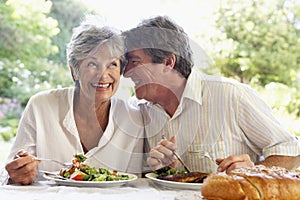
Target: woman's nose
x,y
101,71
127,71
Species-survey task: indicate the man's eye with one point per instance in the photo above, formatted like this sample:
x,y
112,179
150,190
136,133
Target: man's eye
x,y
135,61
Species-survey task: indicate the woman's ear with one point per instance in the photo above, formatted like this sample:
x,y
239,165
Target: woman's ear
x,y
170,62
73,73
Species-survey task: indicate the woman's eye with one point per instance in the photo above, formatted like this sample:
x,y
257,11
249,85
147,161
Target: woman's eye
x,y
113,64
92,65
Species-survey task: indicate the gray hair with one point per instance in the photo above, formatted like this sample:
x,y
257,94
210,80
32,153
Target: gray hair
x,y
161,37
88,36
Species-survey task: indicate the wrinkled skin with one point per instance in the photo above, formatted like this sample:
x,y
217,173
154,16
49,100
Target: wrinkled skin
x,y
23,168
162,155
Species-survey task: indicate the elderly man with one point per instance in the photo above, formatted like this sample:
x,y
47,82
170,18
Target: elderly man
x,y
208,119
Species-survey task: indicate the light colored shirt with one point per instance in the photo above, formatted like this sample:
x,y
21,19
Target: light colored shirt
x,y
48,130
219,117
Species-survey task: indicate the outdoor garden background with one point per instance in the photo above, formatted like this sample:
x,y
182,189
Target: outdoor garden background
x,y
254,41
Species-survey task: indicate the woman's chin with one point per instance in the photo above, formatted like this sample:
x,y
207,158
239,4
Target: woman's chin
x,y
102,99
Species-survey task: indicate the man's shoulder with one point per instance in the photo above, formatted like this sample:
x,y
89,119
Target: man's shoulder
x,y
220,80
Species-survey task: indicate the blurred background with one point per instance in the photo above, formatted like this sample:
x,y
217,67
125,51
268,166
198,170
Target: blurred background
x,y
254,41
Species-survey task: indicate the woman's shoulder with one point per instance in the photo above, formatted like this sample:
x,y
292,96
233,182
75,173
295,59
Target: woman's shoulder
x,y
123,110
130,104
52,94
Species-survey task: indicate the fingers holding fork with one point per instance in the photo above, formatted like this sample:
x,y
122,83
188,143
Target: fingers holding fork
x,y
179,158
162,154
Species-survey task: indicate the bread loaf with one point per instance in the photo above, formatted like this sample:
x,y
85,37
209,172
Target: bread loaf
x,y
259,183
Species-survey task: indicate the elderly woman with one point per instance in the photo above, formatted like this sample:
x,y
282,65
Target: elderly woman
x,y
83,119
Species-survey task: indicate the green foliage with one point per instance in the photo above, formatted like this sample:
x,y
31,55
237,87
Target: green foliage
x,y
27,82
26,31
33,38
10,113
259,44
285,104
63,12
262,40
25,43
10,130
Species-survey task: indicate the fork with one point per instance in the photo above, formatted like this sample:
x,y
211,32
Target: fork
x,y
65,164
54,175
207,155
179,158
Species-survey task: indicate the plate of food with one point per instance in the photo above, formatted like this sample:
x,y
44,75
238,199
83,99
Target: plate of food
x,y
81,175
178,180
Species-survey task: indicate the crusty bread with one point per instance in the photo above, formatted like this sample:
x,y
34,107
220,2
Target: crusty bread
x,y
217,186
259,183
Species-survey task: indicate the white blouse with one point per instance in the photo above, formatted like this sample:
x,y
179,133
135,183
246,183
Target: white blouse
x,y
47,129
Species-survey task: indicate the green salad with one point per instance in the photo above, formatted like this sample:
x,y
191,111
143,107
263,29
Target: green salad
x,y
81,172
165,171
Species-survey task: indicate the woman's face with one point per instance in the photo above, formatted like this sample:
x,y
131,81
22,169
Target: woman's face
x,y
99,75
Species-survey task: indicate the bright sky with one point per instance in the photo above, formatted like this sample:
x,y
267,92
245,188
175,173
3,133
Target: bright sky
x,y
195,16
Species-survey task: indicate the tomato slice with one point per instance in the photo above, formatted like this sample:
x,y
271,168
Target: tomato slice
x,y
115,173
79,176
74,160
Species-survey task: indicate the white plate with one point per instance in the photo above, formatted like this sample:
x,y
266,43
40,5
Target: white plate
x,y
70,182
173,184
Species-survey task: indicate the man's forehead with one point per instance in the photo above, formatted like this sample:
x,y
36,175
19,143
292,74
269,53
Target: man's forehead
x,y
137,53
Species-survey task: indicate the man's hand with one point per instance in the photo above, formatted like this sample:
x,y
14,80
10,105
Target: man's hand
x,y
23,169
288,162
233,162
162,155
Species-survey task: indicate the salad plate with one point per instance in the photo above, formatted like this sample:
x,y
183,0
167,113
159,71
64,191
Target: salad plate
x,y
54,176
173,184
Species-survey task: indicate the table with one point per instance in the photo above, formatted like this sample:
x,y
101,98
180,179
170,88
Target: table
x,y
140,189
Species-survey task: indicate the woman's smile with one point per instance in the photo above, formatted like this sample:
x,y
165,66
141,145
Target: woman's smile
x,y
101,85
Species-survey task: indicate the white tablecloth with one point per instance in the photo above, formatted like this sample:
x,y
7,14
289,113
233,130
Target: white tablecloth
x,y
140,189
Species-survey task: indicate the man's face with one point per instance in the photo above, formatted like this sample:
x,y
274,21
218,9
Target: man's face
x,y
147,76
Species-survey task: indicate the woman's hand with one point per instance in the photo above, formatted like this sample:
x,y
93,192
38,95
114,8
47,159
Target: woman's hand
x,y
233,162
162,155
23,169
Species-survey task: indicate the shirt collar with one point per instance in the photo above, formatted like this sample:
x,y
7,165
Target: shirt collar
x,y
193,89
69,121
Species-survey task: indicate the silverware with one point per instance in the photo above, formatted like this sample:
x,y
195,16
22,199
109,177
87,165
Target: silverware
x,y
54,175
179,158
65,164
205,154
